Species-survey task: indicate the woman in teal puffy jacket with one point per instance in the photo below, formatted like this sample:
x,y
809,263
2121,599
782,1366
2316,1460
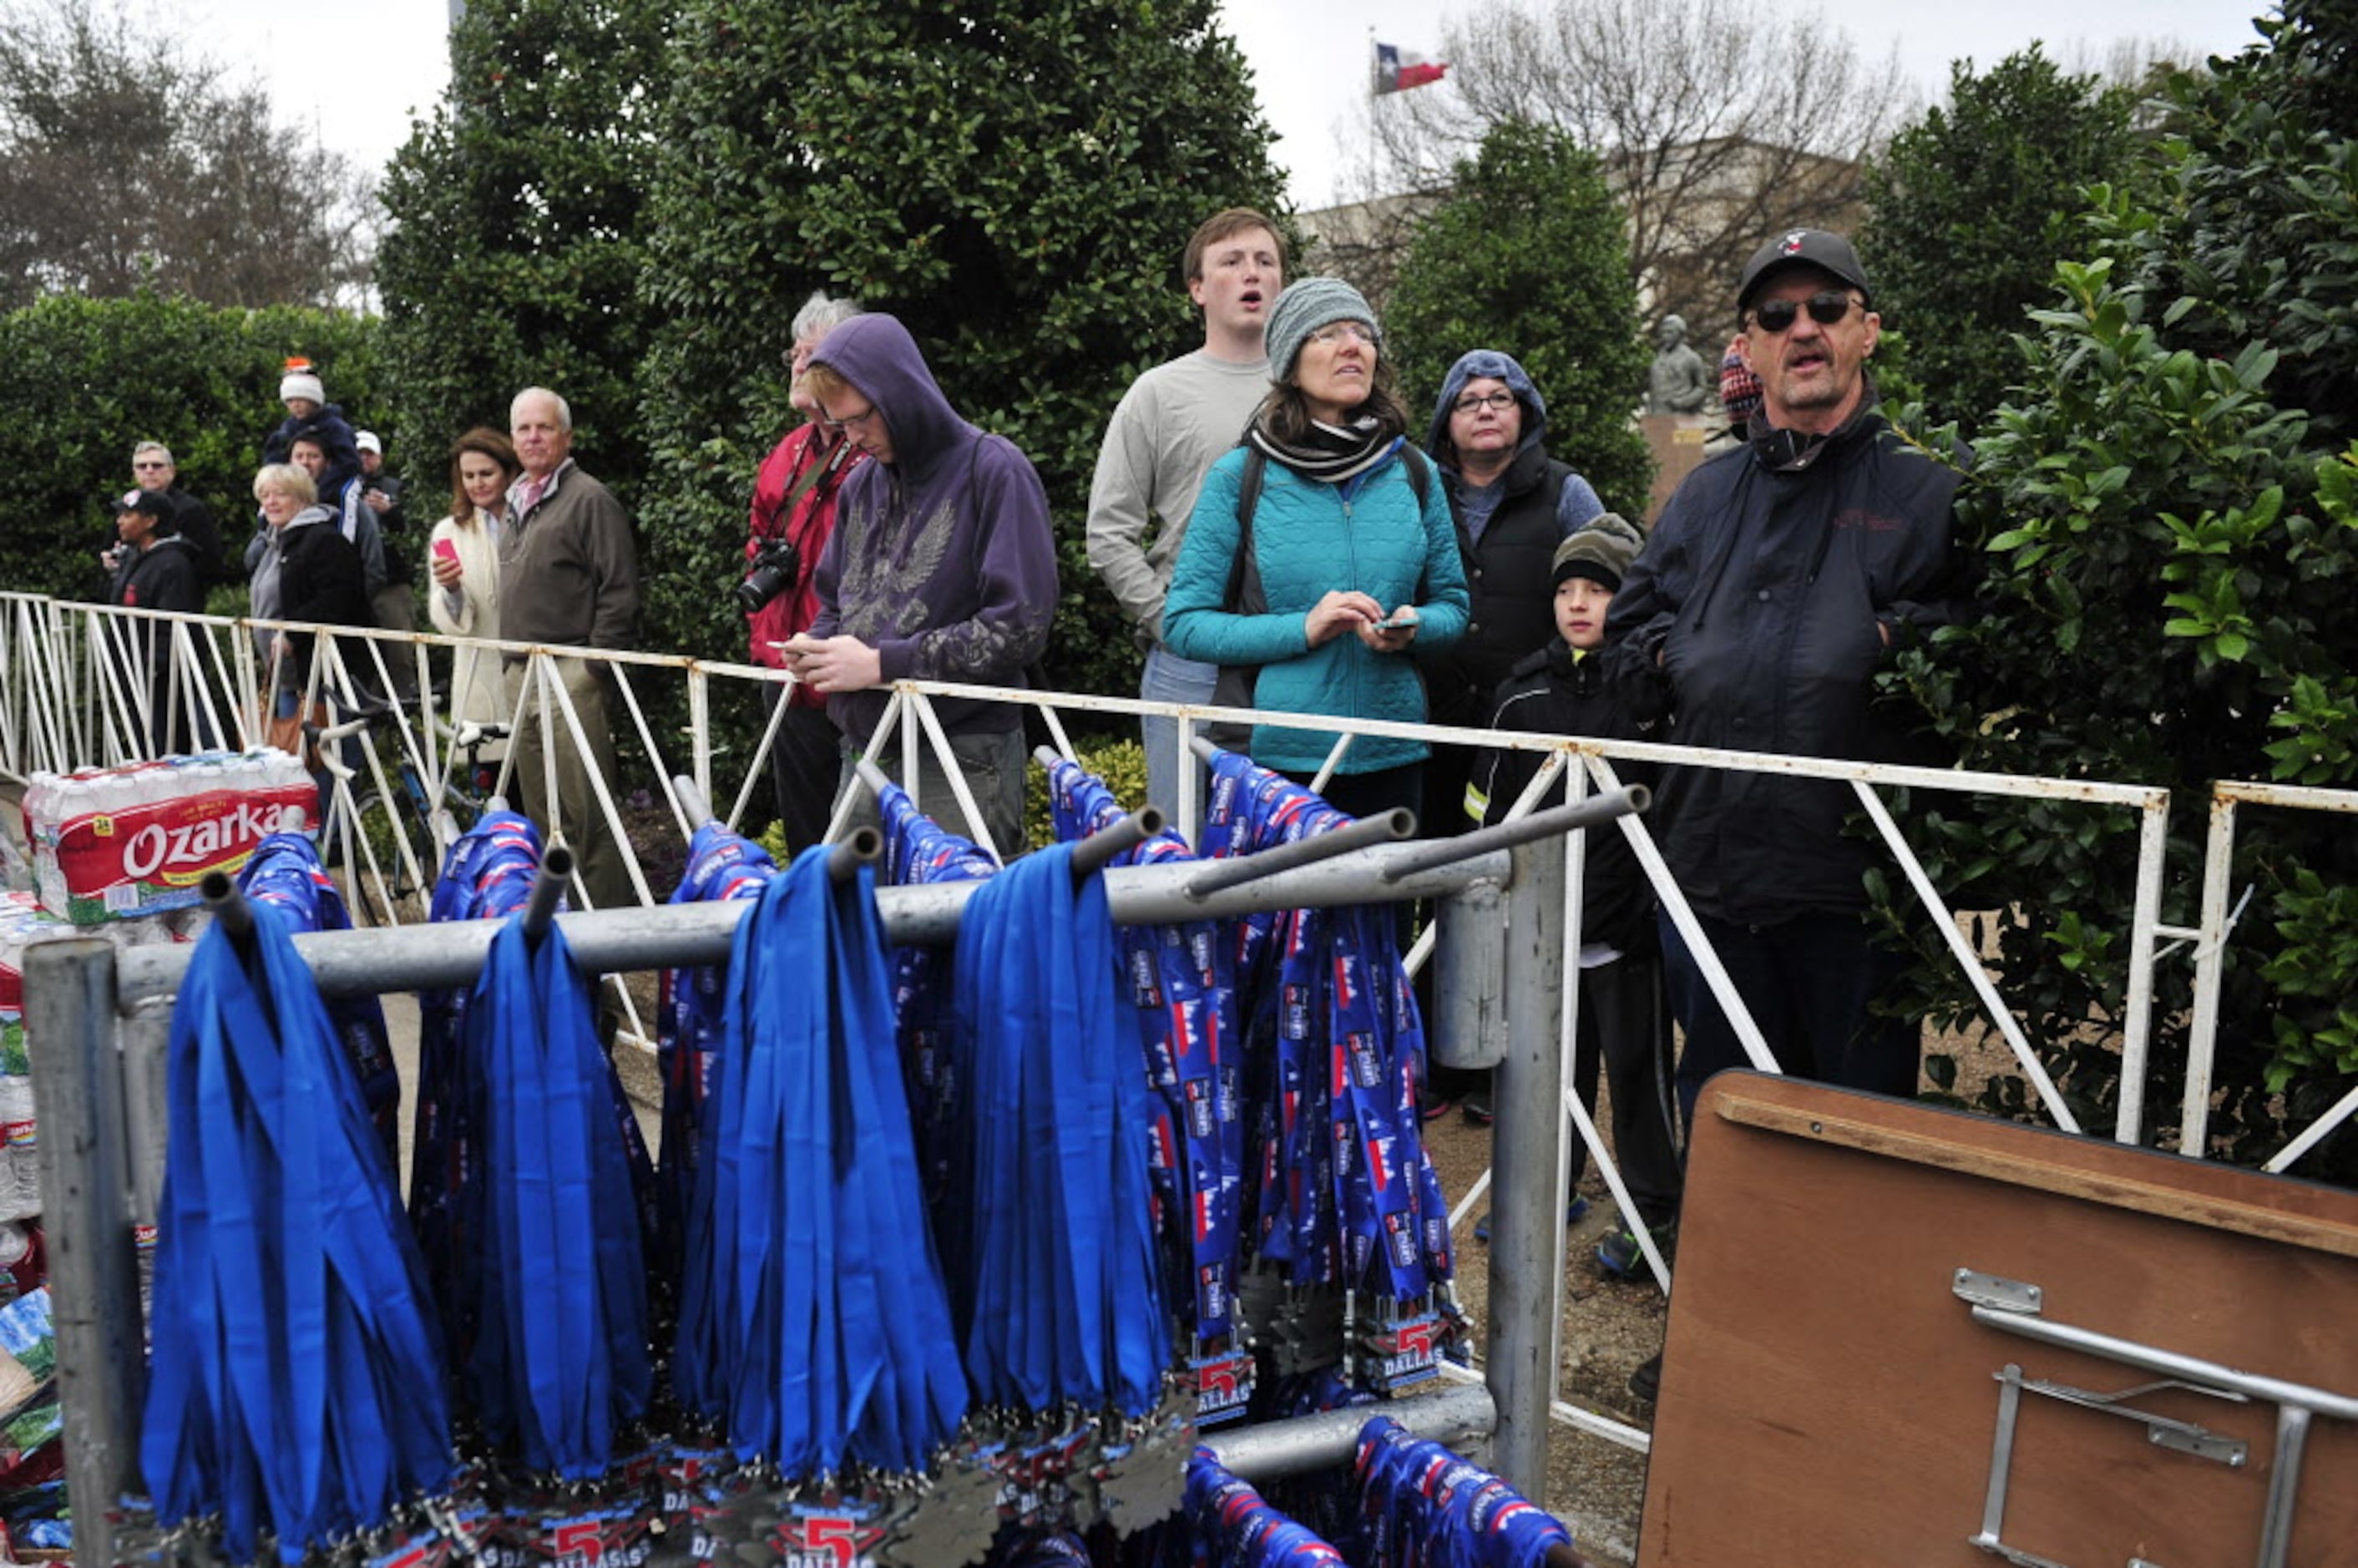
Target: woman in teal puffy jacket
x,y
1351,539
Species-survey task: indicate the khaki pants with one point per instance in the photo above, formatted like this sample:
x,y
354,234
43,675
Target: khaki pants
x,y
576,814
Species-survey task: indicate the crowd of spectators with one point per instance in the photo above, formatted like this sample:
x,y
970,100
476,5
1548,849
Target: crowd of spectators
x,y
1278,542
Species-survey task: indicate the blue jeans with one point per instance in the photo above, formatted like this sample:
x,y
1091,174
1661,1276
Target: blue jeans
x,y
1170,679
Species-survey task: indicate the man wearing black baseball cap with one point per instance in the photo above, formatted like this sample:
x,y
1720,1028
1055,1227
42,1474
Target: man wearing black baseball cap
x,y
157,570
1781,577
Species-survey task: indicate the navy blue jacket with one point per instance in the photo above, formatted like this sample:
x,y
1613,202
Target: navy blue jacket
x,y
1755,617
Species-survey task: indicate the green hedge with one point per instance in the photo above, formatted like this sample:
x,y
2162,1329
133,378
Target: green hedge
x,y
90,379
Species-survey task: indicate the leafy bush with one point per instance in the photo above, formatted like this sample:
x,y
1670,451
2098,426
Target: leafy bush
x,y
1121,764
90,379
1969,207
517,242
2169,543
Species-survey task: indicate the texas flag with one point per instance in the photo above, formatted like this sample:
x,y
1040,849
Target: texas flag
x,y
1397,69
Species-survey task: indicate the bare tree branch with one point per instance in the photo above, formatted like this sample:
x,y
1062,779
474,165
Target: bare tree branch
x,y
1720,122
126,163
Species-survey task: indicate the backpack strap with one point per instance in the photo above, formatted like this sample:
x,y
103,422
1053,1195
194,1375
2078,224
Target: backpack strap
x,y
1244,572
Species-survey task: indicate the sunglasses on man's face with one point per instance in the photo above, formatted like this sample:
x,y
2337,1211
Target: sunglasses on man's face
x,y
1825,310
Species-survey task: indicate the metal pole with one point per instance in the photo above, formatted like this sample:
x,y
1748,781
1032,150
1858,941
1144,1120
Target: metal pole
x,y
1458,1416
451,952
2136,1025
1384,827
1527,1203
1107,844
861,849
70,991
548,889
2209,970
1552,823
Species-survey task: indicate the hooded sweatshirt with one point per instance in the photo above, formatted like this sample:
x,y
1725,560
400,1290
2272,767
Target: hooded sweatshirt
x,y
1507,535
942,560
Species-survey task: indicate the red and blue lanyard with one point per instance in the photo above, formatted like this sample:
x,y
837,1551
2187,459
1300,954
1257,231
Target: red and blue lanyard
x,y
1234,1527
1344,1193
1424,1506
1179,985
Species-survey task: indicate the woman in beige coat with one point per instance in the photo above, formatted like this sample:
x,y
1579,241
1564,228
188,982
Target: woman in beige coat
x,y
464,556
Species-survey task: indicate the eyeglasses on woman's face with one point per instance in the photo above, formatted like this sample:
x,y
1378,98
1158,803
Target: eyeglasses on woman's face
x,y
1825,308
1475,402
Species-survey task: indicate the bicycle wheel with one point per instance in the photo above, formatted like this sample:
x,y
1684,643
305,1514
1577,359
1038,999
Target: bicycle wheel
x,y
388,887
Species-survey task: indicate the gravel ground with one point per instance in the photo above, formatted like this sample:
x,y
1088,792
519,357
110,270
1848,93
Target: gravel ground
x,y
1596,1485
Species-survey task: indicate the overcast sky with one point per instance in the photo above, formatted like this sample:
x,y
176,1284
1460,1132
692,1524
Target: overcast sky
x,y
1309,57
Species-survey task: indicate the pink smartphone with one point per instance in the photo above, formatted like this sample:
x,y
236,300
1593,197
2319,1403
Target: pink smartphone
x,y
447,549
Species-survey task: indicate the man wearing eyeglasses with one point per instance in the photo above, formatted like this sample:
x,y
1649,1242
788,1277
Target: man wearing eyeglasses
x,y
942,567
152,469
1782,576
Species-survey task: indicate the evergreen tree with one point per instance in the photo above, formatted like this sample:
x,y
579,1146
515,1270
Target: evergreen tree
x,y
1970,207
1526,255
1013,179
519,238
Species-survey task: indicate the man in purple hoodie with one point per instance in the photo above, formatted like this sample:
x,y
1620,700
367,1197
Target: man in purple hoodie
x,y
942,567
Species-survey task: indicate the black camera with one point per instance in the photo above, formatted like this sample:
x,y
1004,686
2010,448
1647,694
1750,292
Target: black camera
x,y
775,566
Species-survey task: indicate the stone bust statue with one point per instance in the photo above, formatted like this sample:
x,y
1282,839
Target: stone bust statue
x,y
1677,382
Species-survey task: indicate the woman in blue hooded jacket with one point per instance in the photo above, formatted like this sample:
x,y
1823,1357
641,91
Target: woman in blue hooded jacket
x,y
1352,544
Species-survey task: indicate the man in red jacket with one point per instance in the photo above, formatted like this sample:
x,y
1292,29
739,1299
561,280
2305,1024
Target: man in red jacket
x,y
793,513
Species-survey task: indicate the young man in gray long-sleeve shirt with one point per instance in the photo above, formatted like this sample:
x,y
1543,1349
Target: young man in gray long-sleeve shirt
x,y
1168,431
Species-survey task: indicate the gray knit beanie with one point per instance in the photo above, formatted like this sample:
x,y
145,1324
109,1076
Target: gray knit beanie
x,y
1306,307
1600,550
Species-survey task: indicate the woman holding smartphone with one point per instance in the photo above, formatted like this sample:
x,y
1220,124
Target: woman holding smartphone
x,y
464,559
1321,551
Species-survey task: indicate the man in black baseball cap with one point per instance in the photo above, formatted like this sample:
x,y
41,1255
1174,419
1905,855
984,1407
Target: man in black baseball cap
x,y
1830,254
157,570
1780,579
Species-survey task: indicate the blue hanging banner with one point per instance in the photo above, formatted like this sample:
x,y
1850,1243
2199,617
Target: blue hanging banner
x,y
296,1385
560,1365
834,1344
